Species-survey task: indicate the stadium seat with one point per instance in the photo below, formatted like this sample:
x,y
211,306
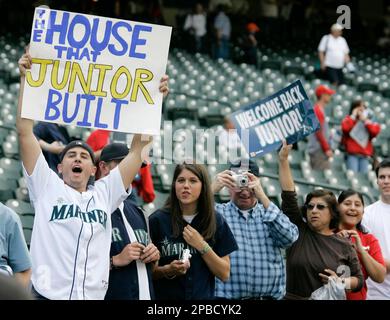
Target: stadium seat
x,y
20,207
27,220
22,194
11,165
6,192
27,235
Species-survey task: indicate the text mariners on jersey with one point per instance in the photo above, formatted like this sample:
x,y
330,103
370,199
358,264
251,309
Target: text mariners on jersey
x,y
174,248
67,211
141,235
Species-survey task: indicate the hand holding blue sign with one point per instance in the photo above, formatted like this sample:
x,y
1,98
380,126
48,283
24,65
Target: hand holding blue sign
x,y
287,114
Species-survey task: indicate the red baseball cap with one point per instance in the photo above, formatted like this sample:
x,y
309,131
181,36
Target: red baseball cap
x,y
252,27
322,89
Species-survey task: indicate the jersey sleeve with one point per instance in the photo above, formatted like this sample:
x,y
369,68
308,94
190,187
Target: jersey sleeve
x,y
321,46
112,186
38,181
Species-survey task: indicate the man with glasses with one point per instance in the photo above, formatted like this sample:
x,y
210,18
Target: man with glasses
x,y
261,230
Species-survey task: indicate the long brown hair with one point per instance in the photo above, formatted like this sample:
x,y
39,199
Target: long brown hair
x,y
205,204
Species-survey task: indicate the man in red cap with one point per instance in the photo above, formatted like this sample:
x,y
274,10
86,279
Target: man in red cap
x,y
248,43
319,146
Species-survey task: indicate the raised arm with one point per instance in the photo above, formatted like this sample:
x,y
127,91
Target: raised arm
x,y
130,165
285,177
29,146
140,147
289,197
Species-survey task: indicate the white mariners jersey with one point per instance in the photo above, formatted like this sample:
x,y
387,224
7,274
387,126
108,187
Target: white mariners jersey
x,y
71,237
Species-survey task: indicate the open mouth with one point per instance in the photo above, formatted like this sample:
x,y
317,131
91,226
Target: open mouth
x,y
351,215
77,169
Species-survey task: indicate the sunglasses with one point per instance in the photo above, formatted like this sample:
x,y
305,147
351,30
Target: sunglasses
x,y
320,207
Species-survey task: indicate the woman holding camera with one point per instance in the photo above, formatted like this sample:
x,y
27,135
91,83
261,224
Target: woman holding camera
x,y
188,221
319,253
358,132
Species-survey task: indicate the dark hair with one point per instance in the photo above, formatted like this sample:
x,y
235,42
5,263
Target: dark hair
x,y
384,164
355,104
205,205
349,193
330,200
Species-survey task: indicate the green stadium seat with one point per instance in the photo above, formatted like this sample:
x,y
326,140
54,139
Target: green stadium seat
x,y
6,192
27,220
20,207
11,165
22,194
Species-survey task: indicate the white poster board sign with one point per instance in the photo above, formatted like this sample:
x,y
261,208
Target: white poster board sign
x,y
96,72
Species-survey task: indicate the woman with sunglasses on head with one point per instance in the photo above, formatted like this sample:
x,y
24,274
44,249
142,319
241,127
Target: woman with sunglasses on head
x,y
318,254
189,221
351,208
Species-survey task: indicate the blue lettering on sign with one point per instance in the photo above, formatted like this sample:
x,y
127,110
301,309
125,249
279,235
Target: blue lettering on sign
x,y
121,41
119,37
88,99
39,25
58,108
82,20
53,99
95,44
118,105
61,27
136,41
37,36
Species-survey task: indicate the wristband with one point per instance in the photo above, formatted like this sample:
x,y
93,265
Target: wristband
x,y
112,263
206,248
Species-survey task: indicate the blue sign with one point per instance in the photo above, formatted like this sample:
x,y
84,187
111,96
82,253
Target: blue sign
x,y
287,114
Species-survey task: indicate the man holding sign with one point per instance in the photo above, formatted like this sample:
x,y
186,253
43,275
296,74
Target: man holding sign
x,y
72,230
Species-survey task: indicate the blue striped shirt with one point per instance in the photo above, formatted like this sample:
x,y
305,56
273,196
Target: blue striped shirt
x,y
257,268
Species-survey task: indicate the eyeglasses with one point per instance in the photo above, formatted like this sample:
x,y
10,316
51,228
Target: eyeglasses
x,y
319,206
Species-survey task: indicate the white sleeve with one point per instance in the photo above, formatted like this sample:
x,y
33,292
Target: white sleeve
x,y
187,23
322,45
39,179
346,47
113,187
366,218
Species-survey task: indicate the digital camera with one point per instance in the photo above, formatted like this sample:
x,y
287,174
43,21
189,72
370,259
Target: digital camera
x,y
242,180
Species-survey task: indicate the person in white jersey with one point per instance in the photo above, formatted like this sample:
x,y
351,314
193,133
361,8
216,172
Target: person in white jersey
x,y
377,219
71,237
333,52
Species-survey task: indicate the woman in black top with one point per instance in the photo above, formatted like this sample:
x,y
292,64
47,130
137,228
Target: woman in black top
x,y
318,253
188,221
